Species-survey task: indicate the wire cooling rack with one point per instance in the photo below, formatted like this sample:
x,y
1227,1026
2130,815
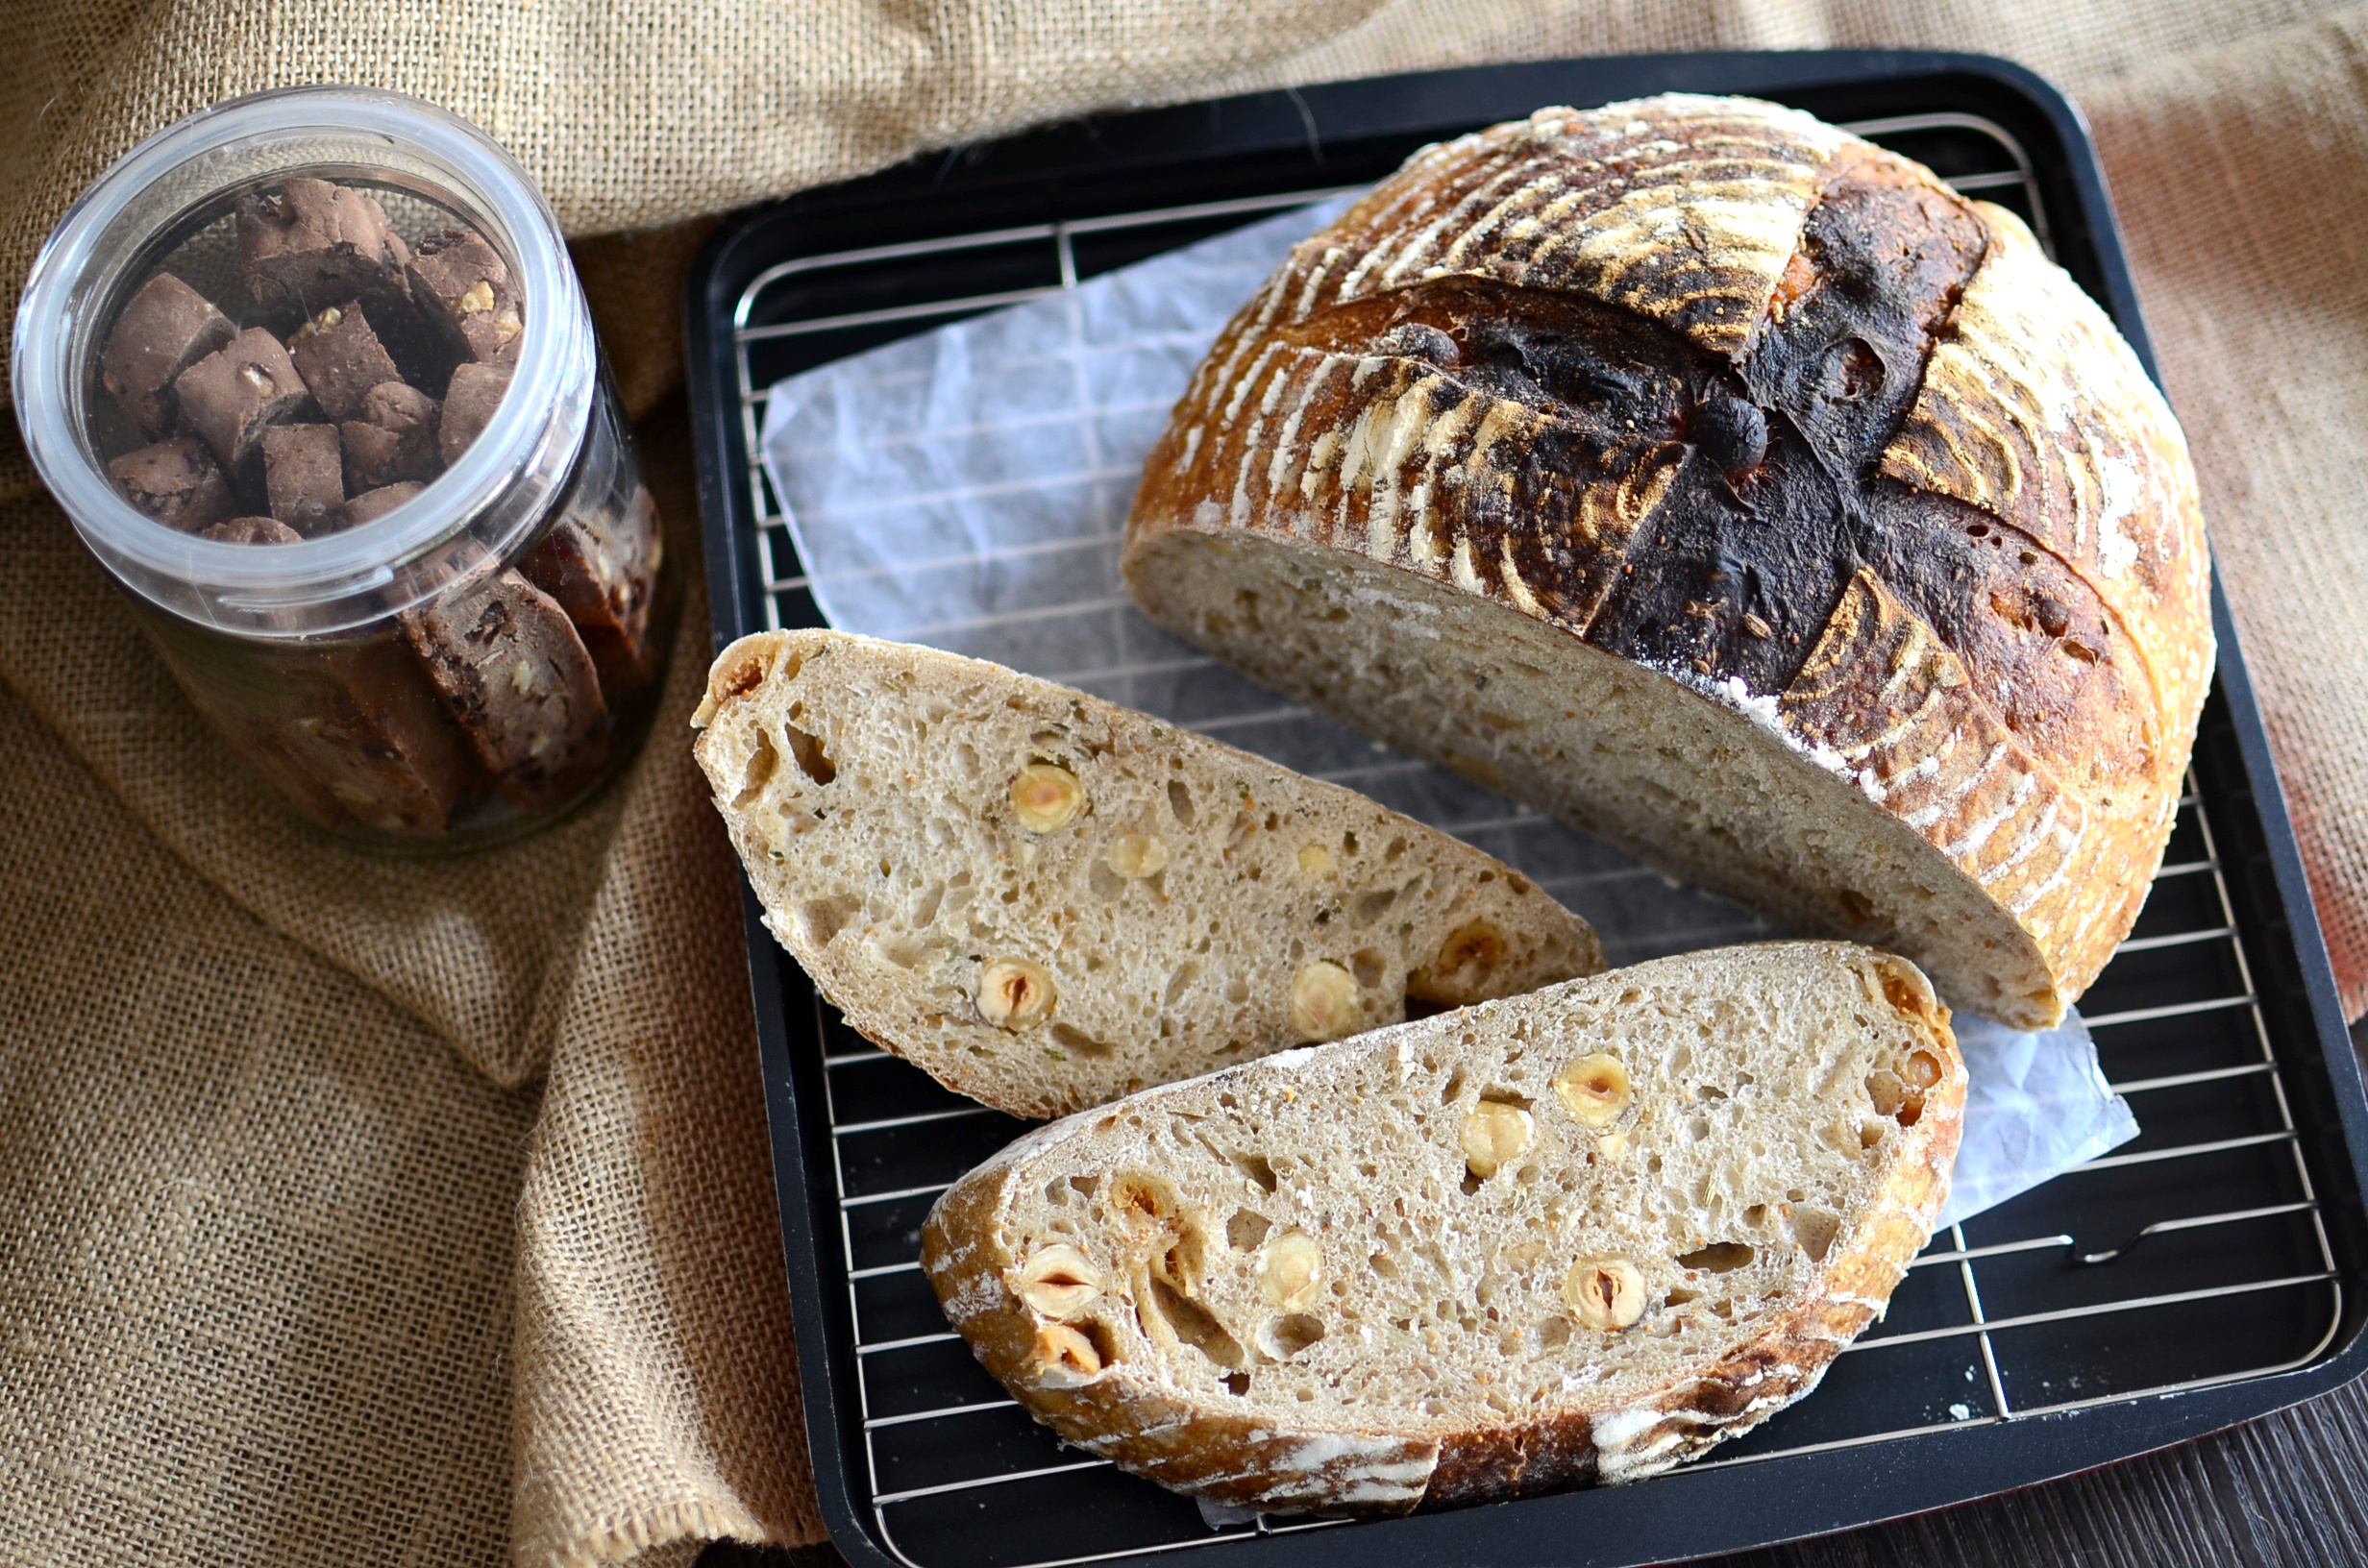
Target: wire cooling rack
x,y
2197,1255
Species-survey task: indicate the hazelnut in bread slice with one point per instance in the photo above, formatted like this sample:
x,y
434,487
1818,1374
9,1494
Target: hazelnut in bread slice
x,y
1047,901
1573,1237
1735,490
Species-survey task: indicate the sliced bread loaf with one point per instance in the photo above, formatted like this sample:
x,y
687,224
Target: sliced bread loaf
x,y
1733,489
1047,901
1575,1235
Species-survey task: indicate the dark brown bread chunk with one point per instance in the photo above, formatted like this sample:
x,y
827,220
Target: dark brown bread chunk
x,y
342,359
231,398
512,672
174,481
392,438
356,734
373,504
602,571
165,329
303,474
252,530
469,403
367,742
316,244
461,288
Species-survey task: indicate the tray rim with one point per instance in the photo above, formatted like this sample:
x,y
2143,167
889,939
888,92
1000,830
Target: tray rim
x,y
1886,1479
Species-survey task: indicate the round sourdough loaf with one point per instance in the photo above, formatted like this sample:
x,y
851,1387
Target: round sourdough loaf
x,y
1732,488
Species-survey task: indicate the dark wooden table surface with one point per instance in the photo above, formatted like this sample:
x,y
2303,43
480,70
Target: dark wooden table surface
x,y
2292,1489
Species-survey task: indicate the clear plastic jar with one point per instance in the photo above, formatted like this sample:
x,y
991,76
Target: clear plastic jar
x,y
355,459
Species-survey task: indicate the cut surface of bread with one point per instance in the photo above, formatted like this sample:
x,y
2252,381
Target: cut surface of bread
x,y
1683,775
1766,414
1577,1236
1046,901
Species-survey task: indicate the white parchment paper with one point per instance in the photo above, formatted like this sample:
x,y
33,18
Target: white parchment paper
x,y
967,488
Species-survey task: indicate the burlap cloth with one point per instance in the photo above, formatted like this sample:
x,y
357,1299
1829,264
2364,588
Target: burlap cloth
x,y
297,1263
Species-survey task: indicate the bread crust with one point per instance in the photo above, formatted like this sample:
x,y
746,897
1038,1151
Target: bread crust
x,y
1402,1461
1755,406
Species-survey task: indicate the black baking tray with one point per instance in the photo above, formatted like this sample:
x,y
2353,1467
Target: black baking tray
x,y
2005,1361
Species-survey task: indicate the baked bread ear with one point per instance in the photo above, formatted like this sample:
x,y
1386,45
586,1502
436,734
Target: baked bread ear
x,y
1046,901
1731,488
1577,1236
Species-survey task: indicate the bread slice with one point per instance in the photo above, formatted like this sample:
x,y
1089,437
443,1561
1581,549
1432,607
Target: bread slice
x,y
1047,901
1577,1236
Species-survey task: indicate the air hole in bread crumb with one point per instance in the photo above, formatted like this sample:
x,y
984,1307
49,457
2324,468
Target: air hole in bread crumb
x,y
1247,1229
1238,1383
1369,966
1258,1168
1552,1333
1191,1323
1284,1337
1180,802
1078,1041
1815,1229
1718,1258
1185,974
825,918
762,761
809,755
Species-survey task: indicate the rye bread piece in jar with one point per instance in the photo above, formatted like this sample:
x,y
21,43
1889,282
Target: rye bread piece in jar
x,y
513,674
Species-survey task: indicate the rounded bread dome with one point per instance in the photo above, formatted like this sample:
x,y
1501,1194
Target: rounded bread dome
x,y
1731,487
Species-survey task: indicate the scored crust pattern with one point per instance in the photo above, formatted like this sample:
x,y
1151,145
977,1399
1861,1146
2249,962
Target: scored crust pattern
x,y
1748,401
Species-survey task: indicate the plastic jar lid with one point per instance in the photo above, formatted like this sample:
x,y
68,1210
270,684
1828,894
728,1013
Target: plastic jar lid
x,y
469,517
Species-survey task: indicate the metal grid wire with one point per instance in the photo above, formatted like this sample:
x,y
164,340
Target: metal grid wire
x,y
2011,1311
